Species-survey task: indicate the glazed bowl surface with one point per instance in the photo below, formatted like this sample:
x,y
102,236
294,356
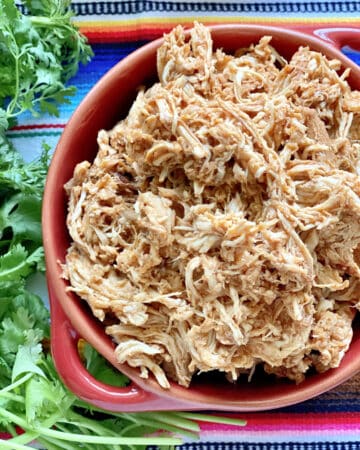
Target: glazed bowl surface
x,y
107,103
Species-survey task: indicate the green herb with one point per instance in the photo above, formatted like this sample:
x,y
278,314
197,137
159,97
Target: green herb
x,y
101,369
21,187
39,52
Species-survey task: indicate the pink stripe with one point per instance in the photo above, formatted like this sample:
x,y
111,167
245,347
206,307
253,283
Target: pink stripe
x,y
38,126
305,427
291,422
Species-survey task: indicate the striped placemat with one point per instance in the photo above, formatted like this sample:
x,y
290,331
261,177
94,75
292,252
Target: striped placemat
x,y
133,20
116,28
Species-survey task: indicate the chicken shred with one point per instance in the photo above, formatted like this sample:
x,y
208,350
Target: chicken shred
x,y
218,227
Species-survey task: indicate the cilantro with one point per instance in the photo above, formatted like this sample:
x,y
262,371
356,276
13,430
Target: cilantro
x,y
39,52
101,369
16,175
21,188
27,357
24,322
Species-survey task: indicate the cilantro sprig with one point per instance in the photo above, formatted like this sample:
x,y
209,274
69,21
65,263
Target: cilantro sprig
x,y
39,52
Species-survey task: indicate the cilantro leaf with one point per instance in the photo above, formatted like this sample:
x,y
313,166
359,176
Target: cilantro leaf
x,y
9,10
26,360
4,123
101,369
22,214
44,396
48,8
18,262
37,312
16,175
21,188
24,320
9,291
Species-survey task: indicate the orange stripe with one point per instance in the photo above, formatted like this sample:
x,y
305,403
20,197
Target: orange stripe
x,y
158,22
106,33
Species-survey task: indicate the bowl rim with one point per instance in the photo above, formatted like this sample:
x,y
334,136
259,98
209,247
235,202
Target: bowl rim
x,y
331,378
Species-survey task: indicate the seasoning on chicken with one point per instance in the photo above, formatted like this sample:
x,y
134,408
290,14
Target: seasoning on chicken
x,y
219,224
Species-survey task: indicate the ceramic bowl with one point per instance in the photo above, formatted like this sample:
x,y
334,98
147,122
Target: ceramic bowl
x,y
105,104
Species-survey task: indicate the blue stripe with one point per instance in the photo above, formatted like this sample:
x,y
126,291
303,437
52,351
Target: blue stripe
x,y
355,56
322,404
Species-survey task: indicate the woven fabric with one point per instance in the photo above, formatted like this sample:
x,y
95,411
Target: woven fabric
x,y
332,420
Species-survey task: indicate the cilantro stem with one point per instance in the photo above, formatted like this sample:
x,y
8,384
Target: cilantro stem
x,y
31,435
128,428
49,445
172,419
17,383
183,421
91,439
11,429
13,397
70,446
13,102
43,21
35,102
74,437
81,421
162,424
155,420
213,419
12,446
18,420
90,423
25,438
53,444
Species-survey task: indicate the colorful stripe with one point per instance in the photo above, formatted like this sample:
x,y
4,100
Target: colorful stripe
x,y
138,7
350,445
38,126
150,28
284,421
283,427
33,134
127,21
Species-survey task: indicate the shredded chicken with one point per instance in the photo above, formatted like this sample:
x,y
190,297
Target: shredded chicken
x,y
218,227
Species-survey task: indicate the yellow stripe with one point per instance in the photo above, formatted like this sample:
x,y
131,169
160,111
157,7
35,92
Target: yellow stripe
x,y
130,23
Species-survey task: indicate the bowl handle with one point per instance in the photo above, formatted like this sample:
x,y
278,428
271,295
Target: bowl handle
x,y
64,348
339,36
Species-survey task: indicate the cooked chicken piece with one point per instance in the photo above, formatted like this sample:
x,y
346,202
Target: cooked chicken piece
x,y
219,224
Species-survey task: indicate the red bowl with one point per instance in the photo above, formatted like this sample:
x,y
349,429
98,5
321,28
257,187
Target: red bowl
x,y
106,103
